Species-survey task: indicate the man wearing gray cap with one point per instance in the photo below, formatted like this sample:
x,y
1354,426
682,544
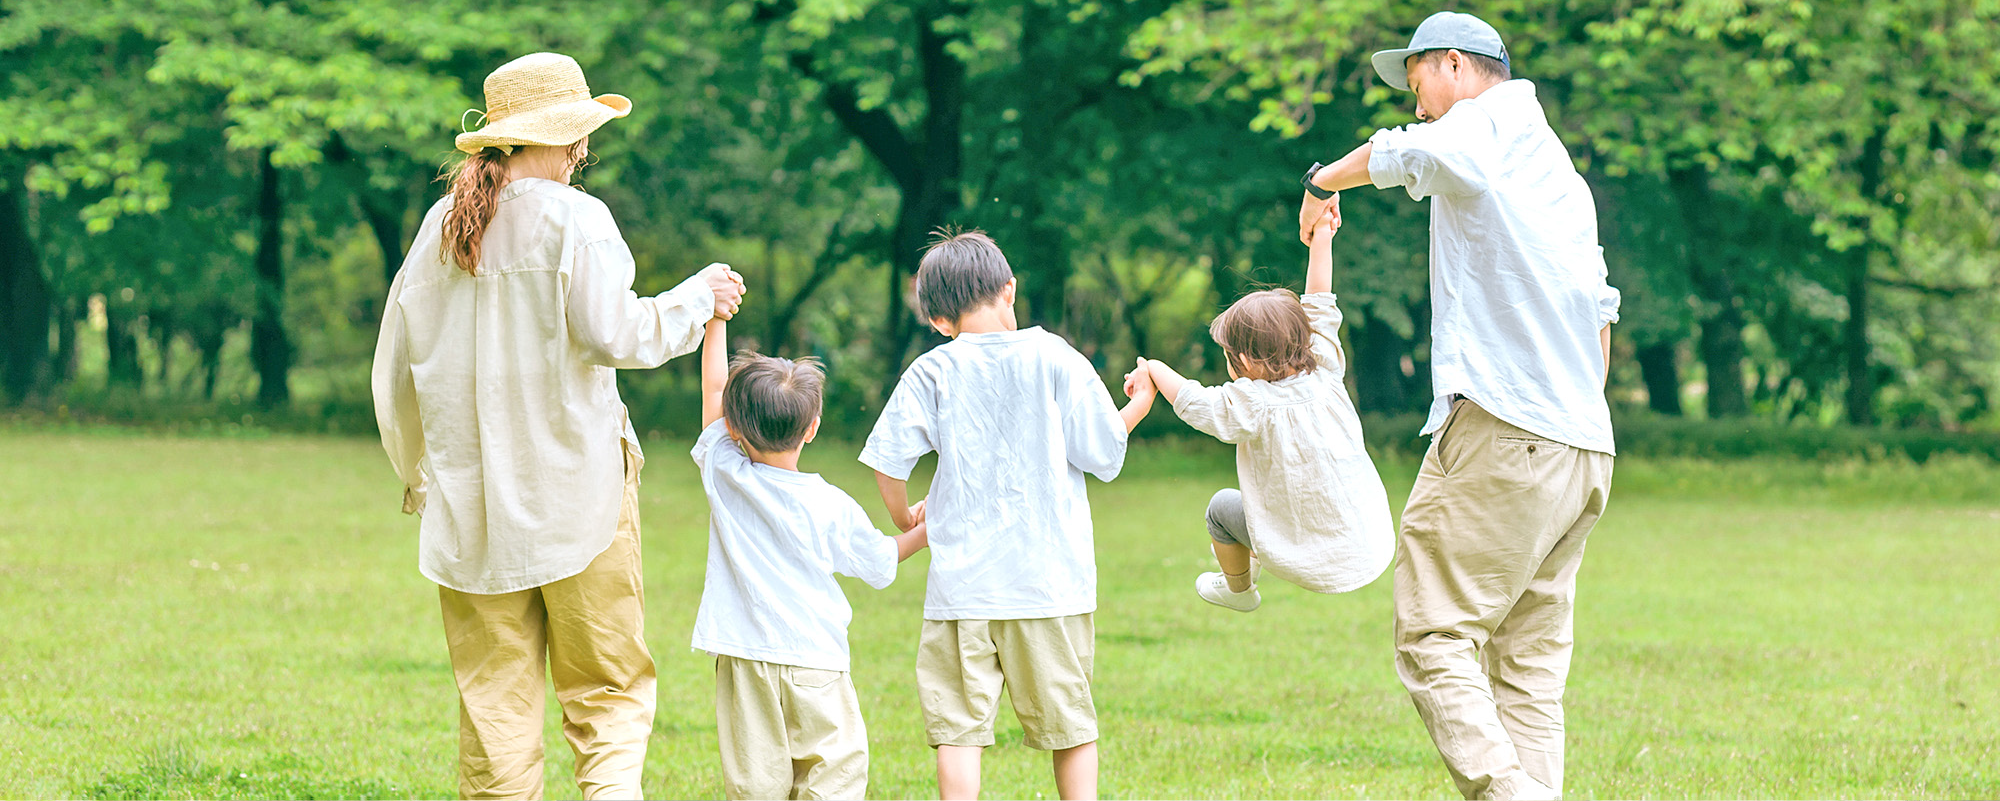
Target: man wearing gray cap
x,y
1519,466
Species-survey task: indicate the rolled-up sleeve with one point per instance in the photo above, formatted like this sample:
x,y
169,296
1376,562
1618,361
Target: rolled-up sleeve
x,y
1608,299
1447,157
617,328
395,389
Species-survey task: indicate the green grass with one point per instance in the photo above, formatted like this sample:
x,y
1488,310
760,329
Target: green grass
x,y
242,618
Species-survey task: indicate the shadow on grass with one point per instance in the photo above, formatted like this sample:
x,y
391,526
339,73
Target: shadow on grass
x,y
173,773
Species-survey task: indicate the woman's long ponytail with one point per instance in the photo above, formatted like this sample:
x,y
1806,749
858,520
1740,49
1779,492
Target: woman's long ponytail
x,y
475,192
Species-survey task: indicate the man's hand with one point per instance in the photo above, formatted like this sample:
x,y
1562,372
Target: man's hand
x,y
728,288
1311,210
915,517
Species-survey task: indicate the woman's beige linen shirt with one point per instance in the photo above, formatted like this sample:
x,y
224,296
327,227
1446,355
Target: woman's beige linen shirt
x,y
496,394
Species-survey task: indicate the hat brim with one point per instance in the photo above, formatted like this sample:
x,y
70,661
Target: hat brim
x,y
1392,65
556,126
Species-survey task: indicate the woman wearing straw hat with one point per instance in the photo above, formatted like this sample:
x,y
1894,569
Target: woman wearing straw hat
x,y
496,394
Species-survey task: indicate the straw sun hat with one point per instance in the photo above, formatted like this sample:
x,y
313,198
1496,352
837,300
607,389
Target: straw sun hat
x,y
540,99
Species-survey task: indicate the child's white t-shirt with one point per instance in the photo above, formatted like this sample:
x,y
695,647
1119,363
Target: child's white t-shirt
x,y
775,539
1017,418
1316,509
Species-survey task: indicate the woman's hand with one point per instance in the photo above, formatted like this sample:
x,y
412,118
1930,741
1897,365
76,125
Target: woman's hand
x,y
727,286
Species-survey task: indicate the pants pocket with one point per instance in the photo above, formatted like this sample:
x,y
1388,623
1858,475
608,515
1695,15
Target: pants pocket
x,y
813,678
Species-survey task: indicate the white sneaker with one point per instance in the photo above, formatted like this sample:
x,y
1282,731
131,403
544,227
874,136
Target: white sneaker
x,y
1214,588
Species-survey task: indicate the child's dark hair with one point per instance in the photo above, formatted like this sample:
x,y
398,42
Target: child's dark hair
x,y
1269,328
961,271
770,402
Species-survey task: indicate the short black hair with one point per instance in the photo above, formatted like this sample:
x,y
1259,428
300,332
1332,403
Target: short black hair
x,y
961,271
771,402
1487,65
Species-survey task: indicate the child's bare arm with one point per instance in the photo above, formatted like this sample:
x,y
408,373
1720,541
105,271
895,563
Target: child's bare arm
x,y
896,495
1319,257
1139,387
714,370
912,541
1164,377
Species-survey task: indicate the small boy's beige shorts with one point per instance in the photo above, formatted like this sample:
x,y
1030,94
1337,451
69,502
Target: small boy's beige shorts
x,y
1044,664
789,732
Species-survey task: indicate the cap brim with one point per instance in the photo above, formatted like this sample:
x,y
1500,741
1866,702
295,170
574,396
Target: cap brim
x,y
1390,64
555,126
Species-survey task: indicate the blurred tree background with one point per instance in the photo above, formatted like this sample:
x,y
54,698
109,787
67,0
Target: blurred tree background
x,y
202,201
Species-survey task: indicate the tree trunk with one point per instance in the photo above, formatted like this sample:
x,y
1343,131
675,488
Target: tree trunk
x,y
1860,382
24,301
1379,382
1721,318
825,266
270,350
382,210
1663,380
64,369
121,345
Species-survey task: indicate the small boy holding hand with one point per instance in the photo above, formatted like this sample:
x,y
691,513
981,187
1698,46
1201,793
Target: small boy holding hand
x,y
1017,418
786,713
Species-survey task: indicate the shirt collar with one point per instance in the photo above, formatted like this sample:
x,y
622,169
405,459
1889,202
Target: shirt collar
x,y
1509,89
521,186
997,337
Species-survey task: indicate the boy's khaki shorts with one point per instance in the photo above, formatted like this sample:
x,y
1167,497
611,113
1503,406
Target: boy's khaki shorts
x,y
788,732
1045,665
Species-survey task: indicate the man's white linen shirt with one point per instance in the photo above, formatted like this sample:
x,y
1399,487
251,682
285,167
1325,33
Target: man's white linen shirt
x,y
1017,418
776,537
1518,290
1317,511
496,393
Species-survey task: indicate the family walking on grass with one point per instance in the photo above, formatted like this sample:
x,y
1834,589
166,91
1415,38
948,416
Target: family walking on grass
x,y
495,391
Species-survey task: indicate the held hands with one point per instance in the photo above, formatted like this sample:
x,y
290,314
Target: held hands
x,y
1311,210
910,518
1327,225
728,288
1139,382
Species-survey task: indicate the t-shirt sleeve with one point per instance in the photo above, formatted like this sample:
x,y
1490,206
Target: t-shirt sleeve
x,y
1452,156
716,435
1226,412
861,551
1323,315
1094,434
903,433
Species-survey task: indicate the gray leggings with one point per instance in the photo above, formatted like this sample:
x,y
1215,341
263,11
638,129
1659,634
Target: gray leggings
x,y
1226,523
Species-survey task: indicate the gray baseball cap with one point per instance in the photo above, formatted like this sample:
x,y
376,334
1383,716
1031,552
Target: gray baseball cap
x,y
1444,30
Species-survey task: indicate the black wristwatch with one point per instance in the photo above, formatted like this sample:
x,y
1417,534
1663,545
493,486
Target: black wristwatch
x,y
1312,189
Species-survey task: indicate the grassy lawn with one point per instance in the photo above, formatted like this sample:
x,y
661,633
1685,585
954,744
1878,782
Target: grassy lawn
x,y
189,617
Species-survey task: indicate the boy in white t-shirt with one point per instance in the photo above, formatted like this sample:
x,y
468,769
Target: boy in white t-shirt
x,y
1312,509
1017,418
786,713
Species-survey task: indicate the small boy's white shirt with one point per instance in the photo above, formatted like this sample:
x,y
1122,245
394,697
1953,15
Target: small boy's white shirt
x,y
1017,418
1317,512
775,539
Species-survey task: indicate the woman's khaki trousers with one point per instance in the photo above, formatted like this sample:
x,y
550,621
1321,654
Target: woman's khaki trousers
x,y
588,631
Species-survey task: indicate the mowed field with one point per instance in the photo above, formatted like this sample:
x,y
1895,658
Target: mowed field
x,y
243,618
